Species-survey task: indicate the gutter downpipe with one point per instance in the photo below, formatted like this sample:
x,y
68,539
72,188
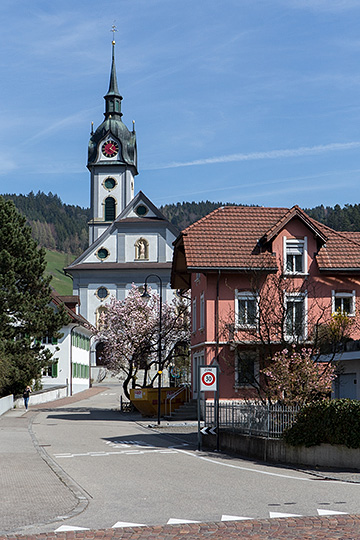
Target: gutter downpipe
x,y
217,317
217,360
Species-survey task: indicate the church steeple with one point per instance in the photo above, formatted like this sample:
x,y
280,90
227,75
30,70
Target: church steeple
x,y
112,161
113,97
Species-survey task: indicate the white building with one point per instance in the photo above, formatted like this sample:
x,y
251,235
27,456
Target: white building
x,y
129,238
70,364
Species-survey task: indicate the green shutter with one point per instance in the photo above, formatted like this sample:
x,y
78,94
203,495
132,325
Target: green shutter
x,y
54,369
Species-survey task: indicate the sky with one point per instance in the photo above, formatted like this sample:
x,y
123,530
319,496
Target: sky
x,y
244,101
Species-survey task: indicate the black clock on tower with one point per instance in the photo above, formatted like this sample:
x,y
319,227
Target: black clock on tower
x,y
110,148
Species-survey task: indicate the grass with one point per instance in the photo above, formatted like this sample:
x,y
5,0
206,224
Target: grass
x,y
55,262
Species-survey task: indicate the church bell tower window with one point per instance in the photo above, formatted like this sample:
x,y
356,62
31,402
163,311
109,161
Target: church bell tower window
x,y
109,183
110,206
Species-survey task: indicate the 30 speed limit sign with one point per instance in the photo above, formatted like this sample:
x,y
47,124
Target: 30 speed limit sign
x,y
208,378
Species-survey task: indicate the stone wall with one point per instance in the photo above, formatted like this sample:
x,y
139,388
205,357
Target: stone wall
x,y
6,403
42,396
276,451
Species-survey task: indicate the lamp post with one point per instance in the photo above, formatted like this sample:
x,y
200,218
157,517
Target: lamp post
x,y
146,296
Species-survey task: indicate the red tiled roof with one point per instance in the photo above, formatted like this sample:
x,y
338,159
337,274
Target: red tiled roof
x,y
229,238
341,251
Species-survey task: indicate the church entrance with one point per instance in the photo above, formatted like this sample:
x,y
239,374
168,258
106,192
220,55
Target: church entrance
x,y
100,361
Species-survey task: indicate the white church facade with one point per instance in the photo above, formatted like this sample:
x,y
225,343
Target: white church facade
x,y
129,238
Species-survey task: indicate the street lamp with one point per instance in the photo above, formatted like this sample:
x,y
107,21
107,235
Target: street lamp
x,y
146,296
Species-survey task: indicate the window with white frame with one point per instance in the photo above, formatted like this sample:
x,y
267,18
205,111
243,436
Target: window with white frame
x,y
245,309
193,315
295,316
295,252
202,311
343,302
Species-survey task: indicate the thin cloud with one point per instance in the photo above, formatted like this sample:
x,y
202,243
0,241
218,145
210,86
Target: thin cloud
x,y
293,185
254,156
77,118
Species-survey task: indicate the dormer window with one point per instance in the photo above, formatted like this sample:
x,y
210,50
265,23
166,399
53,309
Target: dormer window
x,y
295,251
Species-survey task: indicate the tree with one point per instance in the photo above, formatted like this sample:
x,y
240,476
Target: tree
x,y
129,332
275,311
25,314
294,378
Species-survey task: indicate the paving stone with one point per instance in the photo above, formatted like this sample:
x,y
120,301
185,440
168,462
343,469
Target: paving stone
x,y
303,528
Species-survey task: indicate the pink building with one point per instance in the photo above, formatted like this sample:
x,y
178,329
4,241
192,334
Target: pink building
x,y
261,278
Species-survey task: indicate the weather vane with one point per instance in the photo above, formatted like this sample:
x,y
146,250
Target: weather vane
x,y
113,30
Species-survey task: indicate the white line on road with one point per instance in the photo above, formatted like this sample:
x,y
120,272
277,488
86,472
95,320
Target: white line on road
x,y
267,473
120,452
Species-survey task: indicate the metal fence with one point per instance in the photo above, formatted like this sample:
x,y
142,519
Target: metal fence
x,y
252,418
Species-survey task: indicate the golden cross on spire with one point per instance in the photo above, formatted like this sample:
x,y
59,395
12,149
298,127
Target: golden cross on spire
x,y
113,30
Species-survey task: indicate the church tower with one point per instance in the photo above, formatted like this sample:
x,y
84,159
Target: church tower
x,y
112,162
129,238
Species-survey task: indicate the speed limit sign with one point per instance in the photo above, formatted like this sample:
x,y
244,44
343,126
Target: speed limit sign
x,y
208,378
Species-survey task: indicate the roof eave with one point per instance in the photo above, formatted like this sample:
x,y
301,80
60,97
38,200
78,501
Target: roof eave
x,y
340,270
203,269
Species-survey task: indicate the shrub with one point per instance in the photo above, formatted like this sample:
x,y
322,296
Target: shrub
x,y
334,421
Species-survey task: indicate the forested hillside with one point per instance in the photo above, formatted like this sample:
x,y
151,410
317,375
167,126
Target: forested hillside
x,y
183,214
340,219
63,227
55,225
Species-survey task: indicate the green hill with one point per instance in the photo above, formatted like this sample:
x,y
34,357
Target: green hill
x,y
55,263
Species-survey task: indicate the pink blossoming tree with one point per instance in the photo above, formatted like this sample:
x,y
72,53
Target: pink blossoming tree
x,y
293,377
129,332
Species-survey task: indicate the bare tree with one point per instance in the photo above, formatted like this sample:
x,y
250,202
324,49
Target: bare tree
x,y
274,312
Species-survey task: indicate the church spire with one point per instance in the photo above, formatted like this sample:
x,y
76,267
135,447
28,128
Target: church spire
x,y
113,97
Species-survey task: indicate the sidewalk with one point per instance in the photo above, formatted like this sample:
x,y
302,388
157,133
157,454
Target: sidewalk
x,y
32,492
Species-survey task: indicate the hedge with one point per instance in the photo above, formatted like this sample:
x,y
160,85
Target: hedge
x,y
335,421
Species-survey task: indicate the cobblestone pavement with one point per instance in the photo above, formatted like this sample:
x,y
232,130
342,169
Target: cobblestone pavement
x,y
30,492
306,528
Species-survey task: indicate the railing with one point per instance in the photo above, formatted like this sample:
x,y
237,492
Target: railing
x,y
252,418
169,399
126,405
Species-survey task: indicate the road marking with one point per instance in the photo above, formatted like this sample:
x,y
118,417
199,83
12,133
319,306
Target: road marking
x,y
118,453
119,524
225,517
266,473
282,515
65,528
175,521
323,512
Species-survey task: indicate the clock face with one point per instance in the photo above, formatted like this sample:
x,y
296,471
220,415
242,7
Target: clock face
x,y
110,148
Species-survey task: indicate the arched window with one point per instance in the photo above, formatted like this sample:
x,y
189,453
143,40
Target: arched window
x,y
141,249
110,206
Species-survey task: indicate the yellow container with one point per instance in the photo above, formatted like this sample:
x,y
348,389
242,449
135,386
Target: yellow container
x,y
146,400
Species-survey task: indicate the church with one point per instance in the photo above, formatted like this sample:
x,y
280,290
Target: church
x,y
130,240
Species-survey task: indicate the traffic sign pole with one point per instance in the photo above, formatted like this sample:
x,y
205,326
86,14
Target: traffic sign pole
x,y
208,381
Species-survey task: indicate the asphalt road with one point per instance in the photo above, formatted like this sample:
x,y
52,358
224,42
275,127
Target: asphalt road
x,y
129,473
